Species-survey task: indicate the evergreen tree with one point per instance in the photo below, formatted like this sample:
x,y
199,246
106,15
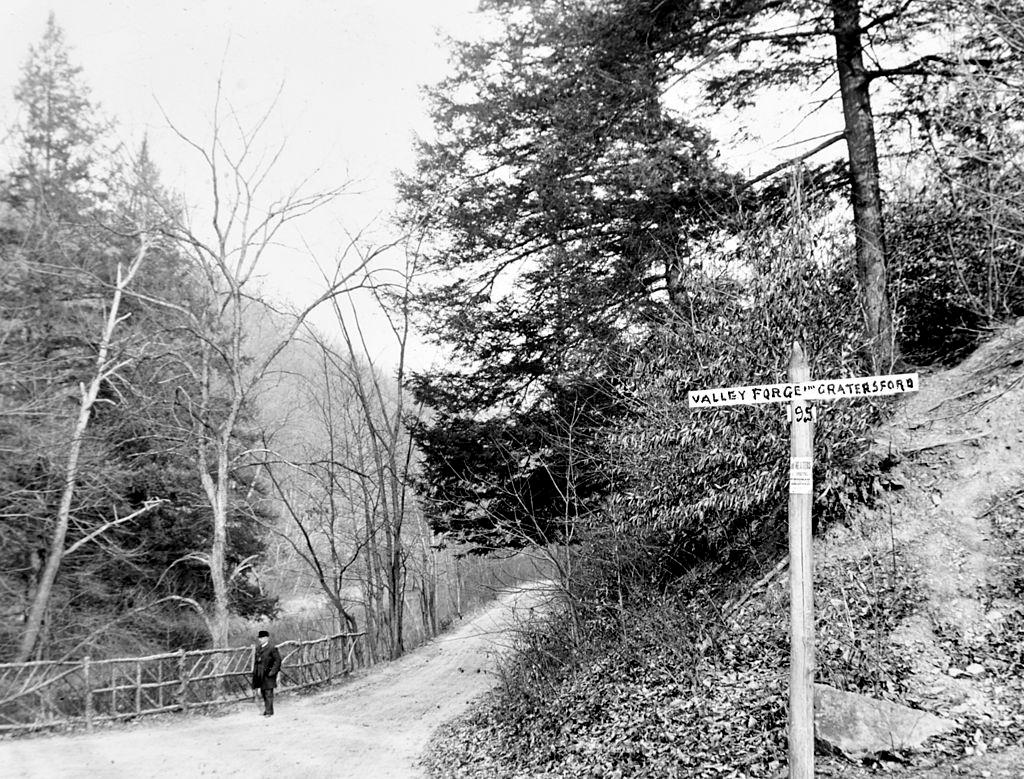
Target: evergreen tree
x,y
53,254
564,202
58,134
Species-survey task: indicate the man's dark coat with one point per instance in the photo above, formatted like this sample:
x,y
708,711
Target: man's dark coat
x,y
265,667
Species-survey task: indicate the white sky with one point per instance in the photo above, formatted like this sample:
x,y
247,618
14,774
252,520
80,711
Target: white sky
x,y
350,69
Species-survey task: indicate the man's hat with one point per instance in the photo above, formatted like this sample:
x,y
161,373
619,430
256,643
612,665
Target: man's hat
x,y
262,633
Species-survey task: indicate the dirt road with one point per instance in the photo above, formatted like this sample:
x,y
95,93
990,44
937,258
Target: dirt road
x,y
374,726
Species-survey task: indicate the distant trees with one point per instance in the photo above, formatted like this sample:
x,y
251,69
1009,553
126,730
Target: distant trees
x,y
350,495
316,482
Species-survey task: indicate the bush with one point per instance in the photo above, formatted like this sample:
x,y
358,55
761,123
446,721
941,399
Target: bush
x,y
712,485
680,684
940,281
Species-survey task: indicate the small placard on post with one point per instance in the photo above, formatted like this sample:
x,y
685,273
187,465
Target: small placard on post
x,y
801,480
806,412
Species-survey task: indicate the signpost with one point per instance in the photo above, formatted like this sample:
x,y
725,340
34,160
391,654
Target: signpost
x,y
799,393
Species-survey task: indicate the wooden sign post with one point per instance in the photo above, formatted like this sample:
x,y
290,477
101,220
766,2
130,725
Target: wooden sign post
x,y
799,393
801,576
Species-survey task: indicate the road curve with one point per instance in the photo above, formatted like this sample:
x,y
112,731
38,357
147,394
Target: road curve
x,y
376,725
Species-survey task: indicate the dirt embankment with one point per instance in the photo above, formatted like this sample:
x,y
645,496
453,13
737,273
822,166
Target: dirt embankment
x,y
955,511
375,725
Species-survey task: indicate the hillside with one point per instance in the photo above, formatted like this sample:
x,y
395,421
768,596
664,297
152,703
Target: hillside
x,y
955,511
919,600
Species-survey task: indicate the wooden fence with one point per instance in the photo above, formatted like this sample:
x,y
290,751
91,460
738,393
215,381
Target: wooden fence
x,y
47,694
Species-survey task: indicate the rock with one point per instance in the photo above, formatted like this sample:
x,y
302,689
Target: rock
x,y
858,726
975,669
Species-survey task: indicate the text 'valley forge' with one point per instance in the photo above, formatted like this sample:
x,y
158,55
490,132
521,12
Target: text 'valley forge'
x,y
826,389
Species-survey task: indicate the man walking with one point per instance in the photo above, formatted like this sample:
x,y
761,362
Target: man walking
x,y
265,667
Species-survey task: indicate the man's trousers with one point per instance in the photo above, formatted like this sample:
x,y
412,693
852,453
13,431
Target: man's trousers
x,y
268,699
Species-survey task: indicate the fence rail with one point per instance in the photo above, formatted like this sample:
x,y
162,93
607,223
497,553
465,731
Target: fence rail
x,y
48,694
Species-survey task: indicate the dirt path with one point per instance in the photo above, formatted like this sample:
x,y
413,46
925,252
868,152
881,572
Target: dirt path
x,y
374,726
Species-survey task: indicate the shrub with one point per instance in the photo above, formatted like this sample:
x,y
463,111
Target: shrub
x,y
711,485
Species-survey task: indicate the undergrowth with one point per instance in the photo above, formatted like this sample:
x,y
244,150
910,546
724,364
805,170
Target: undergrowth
x,y
681,686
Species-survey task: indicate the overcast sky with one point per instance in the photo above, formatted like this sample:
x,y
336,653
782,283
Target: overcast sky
x,y
350,105
350,68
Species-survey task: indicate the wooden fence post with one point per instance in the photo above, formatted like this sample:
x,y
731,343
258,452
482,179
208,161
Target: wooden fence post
x,y
332,658
183,681
138,688
87,680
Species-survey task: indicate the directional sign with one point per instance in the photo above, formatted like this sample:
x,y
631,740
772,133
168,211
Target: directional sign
x,y
826,389
799,393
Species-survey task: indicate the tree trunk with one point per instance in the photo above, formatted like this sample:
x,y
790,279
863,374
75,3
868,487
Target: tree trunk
x,y
216,487
458,587
55,553
346,622
218,556
866,196
396,583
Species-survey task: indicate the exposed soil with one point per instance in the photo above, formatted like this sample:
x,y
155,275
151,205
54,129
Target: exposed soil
x,y
957,449
374,725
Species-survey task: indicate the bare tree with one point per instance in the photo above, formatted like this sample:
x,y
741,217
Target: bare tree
x,y
319,486
228,249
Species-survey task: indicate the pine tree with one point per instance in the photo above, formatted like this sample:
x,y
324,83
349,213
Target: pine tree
x,y
50,313
58,133
561,200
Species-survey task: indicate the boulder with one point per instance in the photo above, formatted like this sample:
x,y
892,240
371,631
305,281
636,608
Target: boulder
x,y
859,726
